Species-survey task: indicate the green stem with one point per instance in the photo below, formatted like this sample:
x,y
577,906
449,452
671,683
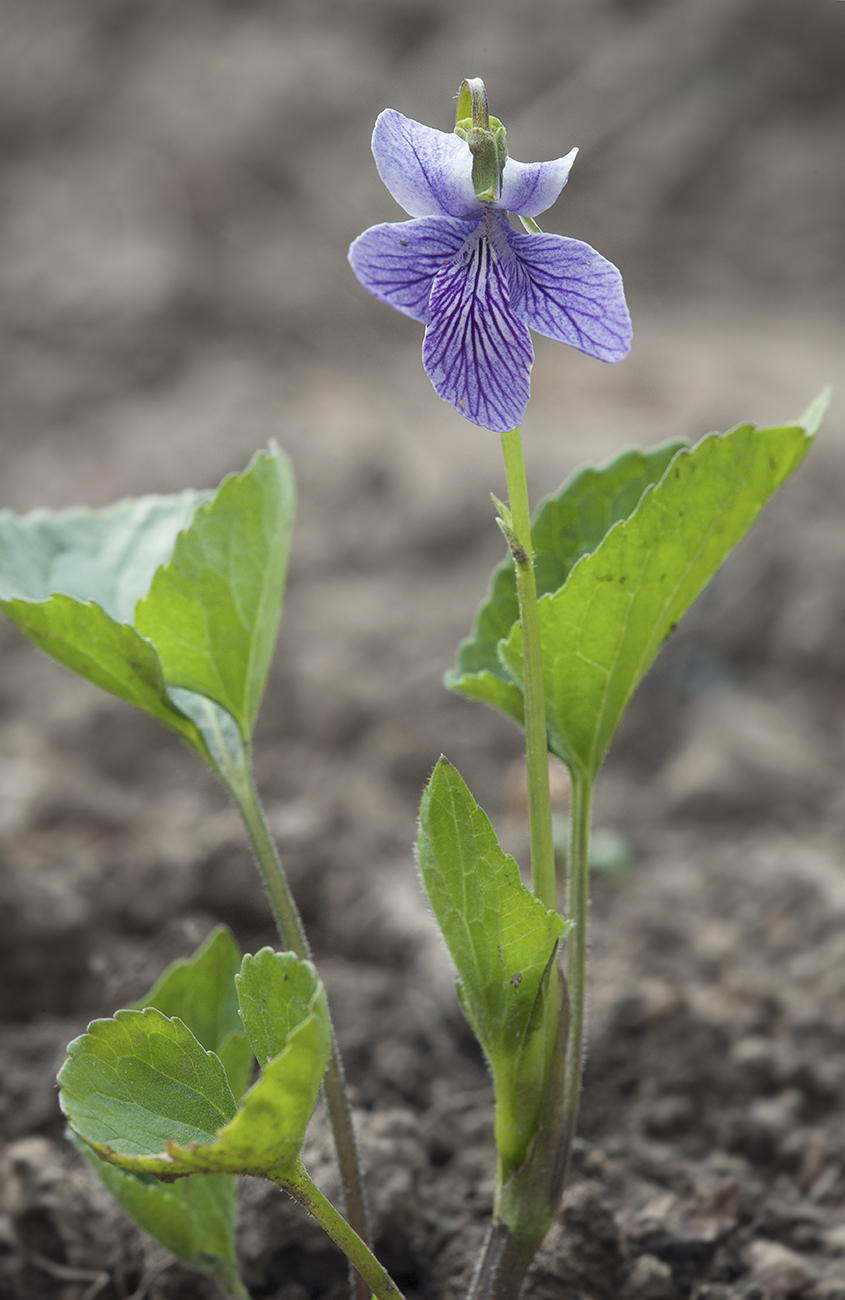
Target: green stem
x,y
232,1285
285,911
501,1266
536,742
293,936
376,1278
577,909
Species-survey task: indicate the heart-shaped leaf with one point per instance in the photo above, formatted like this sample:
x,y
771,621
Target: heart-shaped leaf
x,y
195,1216
144,1094
107,556
201,991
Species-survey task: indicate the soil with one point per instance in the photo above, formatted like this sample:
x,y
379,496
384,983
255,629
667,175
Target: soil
x,y
178,189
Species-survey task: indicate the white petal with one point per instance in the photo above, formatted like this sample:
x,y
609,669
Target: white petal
x,y
529,188
428,172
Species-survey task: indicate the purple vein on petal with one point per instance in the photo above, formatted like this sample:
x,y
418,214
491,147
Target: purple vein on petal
x,y
428,172
397,261
476,353
566,290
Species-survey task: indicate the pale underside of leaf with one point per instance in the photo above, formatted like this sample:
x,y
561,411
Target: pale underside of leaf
x,y
107,556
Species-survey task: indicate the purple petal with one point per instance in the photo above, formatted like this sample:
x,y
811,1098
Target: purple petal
x,y
428,172
397,262
529,188
567,291
476,353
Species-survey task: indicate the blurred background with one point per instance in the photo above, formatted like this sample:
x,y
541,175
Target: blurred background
x,y
180,184
178,190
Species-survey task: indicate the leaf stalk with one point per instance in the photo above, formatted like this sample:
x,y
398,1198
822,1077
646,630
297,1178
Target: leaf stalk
x,y
372,1274
292,934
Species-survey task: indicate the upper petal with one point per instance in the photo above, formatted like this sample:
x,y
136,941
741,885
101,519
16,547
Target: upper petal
x,y
397,261
427,171
567,291
477,354
529,188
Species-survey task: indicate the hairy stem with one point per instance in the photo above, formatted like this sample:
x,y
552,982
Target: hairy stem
x,y
501,1266
536,743
577,909
293,936
371,1272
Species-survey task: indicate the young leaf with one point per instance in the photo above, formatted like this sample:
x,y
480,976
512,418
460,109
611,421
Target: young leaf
x,y
503,942
140,1080
194,1217
602,630
213,612
277,993
200,990
565,526
143,1093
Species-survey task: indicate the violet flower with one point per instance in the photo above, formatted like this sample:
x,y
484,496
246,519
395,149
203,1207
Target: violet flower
x,y
476,283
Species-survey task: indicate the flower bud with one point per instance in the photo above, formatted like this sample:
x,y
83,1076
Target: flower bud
x,y
486,138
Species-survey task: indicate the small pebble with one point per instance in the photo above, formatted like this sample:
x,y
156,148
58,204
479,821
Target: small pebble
x,y
650,1278
779,1270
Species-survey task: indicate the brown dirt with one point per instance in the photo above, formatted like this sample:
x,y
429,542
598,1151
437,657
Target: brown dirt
x,y
179,187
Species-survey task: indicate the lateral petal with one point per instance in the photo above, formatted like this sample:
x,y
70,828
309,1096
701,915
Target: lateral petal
x,y
396,262
428,172
476,353
529,188
566,290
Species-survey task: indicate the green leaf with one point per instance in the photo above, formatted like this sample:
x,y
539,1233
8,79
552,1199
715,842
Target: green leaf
x,y
277,993
162,598
143,1093
503,942
566,526
106,556
194,1217
200,990
224,744
70,580
213,612
602,630
140,1080
112,655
